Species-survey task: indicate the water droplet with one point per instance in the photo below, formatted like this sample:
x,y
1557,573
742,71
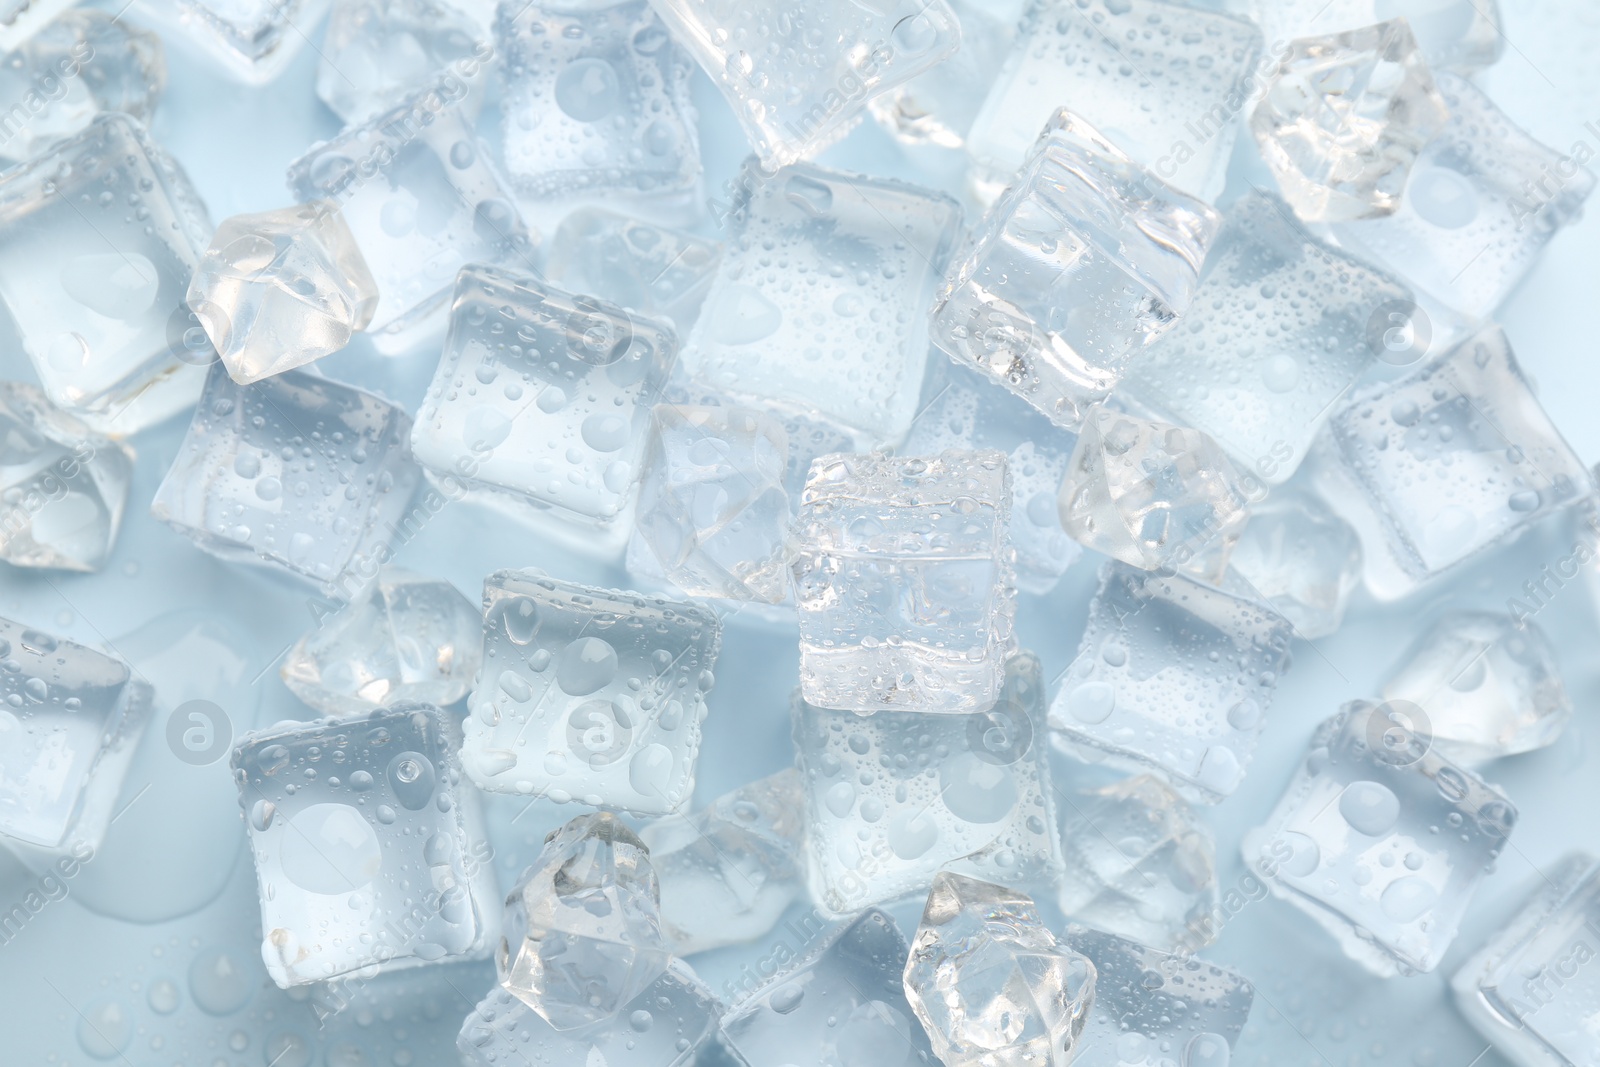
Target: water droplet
x,y
1092,702
1369,807
412,779
588,89
587,665
330,849
1407,898
220,982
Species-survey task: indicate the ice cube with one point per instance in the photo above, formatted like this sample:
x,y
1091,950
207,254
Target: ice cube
x,y
1086,260
841,1002
713,507
1152,494
1157,1008
798,76
1138,862
1300,556
70,719
422,200
583,925
894,797
589,695
1280,328
670,1024
409,638
1343,117
1164,82
296,472
990,983
1486,685
1531,990
62,486
1459,35
367,845
97,243
963,410
541,403
253,41
280,289
819,307
1451,460
903,579
1173,677
647,268
1381,840
1483,200
378,52
596,98
728,872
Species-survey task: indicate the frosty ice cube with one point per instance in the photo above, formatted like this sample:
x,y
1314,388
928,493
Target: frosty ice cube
x,y
647,268
253,41
1152,494
728,872
1342,119
841,1002
1137,862
1163,81
296,472
1173,677
903,579
1451,460
990,983
541,402
797,76
366,845
819,304
1459,35
1280,327
1085,261
589,695
1483,200
670,1024
62,486
894,797
1300,556
422,201
1531,989
1487,685
377,52
280,289
937,107
1381,840
583,925
70,719
409,638
97,242
596,97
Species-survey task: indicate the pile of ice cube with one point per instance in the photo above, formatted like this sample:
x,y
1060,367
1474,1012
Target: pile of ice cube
x,y
877,415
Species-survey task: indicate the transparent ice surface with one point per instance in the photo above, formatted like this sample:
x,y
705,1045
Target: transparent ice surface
x,y
378,52
1299,555
1458,35
252,41
649,269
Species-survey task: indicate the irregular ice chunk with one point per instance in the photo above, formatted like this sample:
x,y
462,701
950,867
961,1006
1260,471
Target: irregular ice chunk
x,y
1302,558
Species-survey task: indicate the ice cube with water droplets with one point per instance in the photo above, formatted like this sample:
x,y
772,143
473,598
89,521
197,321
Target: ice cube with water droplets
x,y
1458,35
589,695
1381,840
1299,555
650,269
377,52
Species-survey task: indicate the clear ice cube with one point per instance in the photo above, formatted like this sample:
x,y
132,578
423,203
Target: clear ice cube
x,y
1487,686
646,268
842,1002
903,578
1165,82
1280,328
1080,266
589,695
378,52
70,719
98,240
62,486
297,472
253,41
990,983
409,638
541,403
728,872
367,845
596,97
894,797
1458,35
1138,862
797,77
1299,555
583,925
819,307
1381,840
1172,677
280,289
